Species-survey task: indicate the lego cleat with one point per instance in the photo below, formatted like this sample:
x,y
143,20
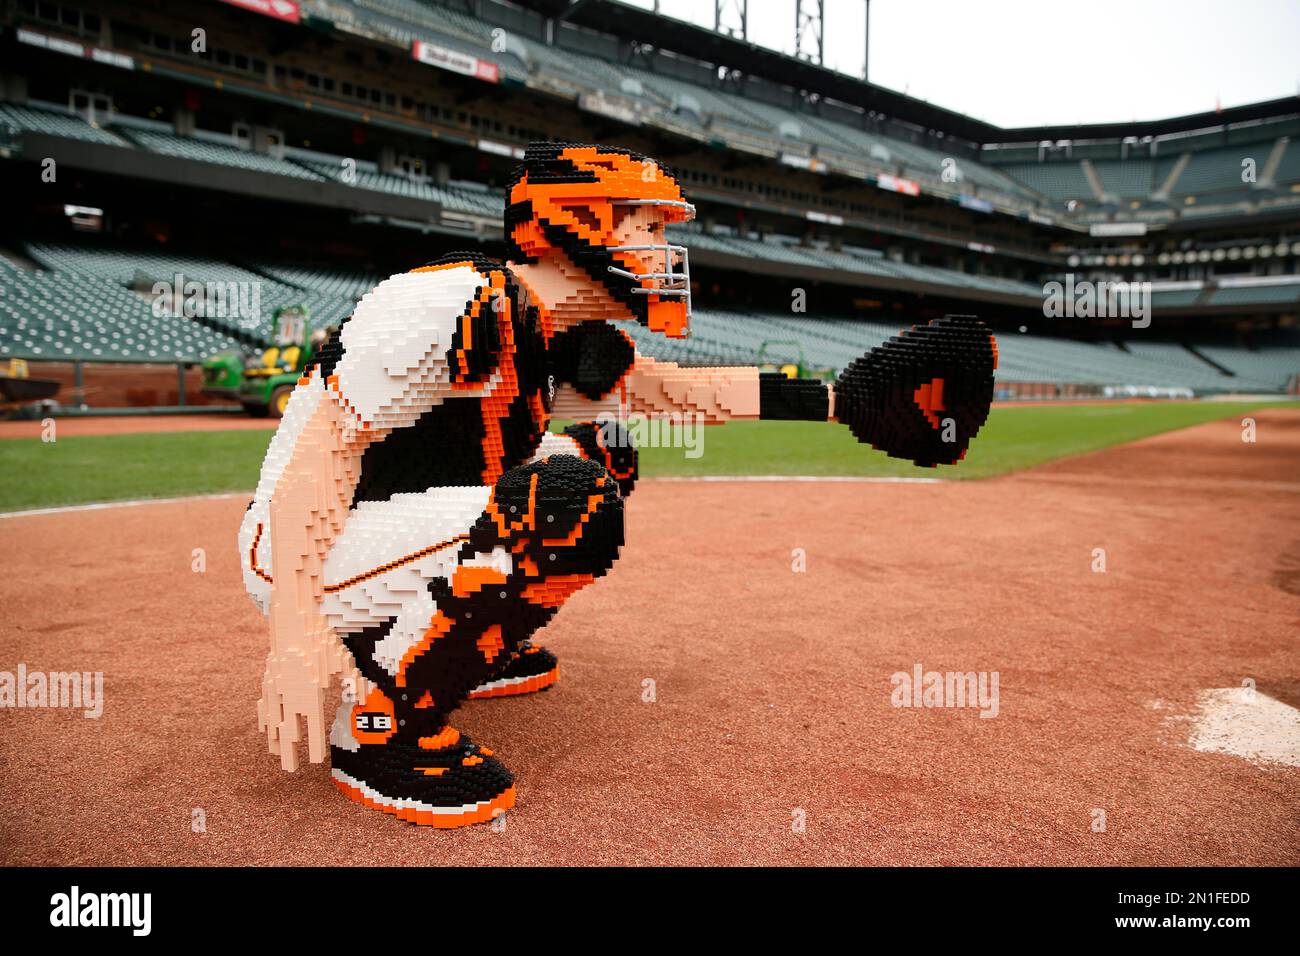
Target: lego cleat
x,y
446,781
534,668
924,394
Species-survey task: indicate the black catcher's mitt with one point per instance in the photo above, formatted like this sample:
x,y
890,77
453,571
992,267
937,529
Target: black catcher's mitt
x,y
923,394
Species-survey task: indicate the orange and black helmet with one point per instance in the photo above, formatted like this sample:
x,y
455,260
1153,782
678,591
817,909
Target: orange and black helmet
x,y
562,200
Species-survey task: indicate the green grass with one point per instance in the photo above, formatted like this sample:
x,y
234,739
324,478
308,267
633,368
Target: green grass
x,y
1015,437
34,474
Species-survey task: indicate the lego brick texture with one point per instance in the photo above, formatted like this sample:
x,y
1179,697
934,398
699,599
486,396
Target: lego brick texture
x,y
792,399
924,394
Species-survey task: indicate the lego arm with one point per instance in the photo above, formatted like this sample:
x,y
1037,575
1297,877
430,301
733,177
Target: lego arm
x,y
921,396
718,394
305,514
654,389
255,530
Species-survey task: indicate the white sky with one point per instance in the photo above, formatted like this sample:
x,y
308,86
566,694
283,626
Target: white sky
x,y
1038,62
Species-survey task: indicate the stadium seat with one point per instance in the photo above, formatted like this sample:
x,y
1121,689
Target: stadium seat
x,y
218,153
54,121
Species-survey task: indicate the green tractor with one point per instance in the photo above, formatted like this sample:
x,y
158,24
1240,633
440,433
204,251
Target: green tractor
x,y
263,383
222,373
790,362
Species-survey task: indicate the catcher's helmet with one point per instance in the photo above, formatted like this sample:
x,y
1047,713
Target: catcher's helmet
x,y
565,198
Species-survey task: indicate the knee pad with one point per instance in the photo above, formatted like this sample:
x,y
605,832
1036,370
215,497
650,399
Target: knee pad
x,y
562,515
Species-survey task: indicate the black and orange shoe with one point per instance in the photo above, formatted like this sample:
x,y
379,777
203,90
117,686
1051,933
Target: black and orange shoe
x,y
534,668
445,781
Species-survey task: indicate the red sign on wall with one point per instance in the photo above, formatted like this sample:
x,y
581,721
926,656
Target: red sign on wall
x,y
286,10
898,184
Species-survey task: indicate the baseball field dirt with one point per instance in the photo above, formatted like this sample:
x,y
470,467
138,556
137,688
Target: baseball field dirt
x,y
769,733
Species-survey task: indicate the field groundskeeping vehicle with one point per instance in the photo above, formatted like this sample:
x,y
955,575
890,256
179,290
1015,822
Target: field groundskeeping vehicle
x,y
262,384
222,373
790,362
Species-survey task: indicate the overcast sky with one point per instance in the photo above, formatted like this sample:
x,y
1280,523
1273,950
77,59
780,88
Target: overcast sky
x,y
1032,62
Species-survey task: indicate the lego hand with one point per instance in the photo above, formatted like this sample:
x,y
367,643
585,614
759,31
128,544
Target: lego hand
x,y
924,394
293,687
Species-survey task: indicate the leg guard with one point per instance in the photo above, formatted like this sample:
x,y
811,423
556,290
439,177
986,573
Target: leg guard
x,y
549,528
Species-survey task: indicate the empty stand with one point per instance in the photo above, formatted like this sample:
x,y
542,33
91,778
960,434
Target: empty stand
x,y
218,153
54,121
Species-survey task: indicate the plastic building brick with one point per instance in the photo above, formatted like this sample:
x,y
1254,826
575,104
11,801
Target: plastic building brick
x,y
415,524
924,394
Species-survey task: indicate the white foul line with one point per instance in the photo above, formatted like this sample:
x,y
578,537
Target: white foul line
x,y
102,505
135,502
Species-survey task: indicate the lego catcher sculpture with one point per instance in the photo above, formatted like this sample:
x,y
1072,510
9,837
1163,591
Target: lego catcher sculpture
x,y
415,522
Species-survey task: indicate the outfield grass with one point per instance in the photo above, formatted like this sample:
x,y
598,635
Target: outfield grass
x,y
1015,437
34,474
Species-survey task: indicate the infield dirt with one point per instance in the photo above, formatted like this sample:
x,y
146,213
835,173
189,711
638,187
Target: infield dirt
x,y
772,691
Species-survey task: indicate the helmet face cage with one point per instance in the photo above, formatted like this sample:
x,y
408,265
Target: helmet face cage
x,y
672,282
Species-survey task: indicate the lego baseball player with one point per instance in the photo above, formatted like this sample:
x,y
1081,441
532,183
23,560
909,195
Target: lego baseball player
x,y
415,523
